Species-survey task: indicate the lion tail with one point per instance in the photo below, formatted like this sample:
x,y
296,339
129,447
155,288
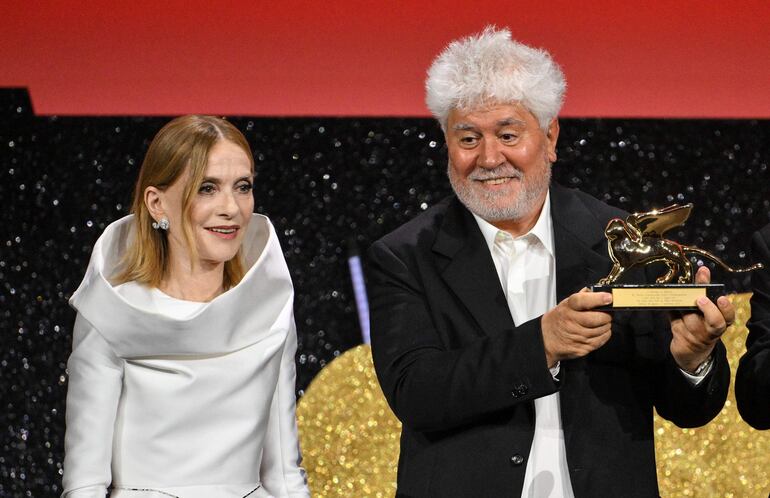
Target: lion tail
x,y
708,255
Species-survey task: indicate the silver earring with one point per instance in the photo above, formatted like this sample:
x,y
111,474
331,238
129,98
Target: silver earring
x,y
162,224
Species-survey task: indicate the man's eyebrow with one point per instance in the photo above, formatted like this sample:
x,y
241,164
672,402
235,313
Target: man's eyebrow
x,y
511,121
501,123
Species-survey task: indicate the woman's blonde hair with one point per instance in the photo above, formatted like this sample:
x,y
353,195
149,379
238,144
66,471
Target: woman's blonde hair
x,y
181,146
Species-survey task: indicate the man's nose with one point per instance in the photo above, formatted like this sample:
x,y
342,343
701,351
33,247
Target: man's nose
x,y
491,154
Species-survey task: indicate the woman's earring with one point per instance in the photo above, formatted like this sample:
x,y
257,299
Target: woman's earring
x,y
162,224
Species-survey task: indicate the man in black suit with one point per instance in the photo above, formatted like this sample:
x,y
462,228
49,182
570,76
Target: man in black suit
x,y
486,342
752,381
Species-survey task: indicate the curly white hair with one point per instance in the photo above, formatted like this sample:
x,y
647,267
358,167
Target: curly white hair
x,y
490,67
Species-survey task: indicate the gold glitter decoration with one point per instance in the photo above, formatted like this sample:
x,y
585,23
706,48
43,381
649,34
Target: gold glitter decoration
x,y
725,458
350,437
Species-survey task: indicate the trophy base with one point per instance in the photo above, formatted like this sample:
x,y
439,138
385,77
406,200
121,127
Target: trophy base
x,y
663,297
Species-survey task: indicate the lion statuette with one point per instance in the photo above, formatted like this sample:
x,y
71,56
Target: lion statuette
x,y
639,241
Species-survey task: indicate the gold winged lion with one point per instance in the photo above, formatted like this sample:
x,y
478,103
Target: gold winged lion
x,y
639,241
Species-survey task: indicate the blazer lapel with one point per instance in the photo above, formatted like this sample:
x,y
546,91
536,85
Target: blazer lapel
x,y
578,237
469,271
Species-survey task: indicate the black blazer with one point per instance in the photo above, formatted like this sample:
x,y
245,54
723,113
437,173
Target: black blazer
x,y
462,378
752,381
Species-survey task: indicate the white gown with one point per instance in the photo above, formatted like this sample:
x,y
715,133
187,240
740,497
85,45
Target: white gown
x,y
193,400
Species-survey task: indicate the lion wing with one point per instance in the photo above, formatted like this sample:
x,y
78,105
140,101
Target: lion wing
x,y
657,222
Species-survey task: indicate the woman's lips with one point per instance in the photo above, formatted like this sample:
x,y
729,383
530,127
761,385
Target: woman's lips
x,y
227,233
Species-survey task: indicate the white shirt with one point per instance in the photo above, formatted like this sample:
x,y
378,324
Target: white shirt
x,y
526,267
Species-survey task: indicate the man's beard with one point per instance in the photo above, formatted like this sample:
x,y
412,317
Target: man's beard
x,y
499,206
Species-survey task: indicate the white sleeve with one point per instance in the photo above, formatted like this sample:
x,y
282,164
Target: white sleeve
x,y
95,383
280,472
697,379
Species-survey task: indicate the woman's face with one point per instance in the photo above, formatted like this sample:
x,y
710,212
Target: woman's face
x,y
220,211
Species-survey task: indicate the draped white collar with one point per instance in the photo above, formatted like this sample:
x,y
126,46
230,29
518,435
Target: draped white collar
x,y
261,304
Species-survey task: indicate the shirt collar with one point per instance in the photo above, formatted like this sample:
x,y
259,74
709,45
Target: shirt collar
x,y
543,229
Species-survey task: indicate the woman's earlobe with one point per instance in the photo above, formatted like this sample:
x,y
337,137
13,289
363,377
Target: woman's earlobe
x,y
154,202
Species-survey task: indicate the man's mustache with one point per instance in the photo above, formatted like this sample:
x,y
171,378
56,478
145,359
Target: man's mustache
x,y
502,171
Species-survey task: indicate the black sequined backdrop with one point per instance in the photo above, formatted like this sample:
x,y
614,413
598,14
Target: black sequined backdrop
x,y
321,181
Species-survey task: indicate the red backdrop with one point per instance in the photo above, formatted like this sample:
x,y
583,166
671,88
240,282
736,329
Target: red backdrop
x,y
355,58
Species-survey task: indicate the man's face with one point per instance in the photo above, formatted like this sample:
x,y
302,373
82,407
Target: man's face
x,y
500,160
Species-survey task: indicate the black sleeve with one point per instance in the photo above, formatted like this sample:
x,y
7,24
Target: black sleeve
x,y
429,386
676,398
752,381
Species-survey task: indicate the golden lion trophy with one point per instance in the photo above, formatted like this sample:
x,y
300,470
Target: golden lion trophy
x,y
638,241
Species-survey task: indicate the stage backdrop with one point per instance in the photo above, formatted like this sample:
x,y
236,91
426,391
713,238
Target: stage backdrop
x,y
322,181
687,58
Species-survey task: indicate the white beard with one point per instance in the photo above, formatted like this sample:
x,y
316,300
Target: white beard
x,y
492,206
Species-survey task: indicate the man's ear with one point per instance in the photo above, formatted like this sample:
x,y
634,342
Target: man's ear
x,y
552,135
153,199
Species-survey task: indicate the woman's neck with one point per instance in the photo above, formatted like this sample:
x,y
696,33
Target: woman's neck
x,y
202,284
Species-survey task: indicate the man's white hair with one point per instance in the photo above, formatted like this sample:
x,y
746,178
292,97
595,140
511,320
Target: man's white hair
x,y
491,68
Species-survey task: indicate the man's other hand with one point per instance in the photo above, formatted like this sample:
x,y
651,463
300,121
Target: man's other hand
x,y
574,328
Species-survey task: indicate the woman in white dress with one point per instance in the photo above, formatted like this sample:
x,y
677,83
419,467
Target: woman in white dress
x,y
181,378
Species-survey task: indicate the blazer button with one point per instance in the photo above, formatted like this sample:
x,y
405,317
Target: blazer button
x,y
517,460
522,390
